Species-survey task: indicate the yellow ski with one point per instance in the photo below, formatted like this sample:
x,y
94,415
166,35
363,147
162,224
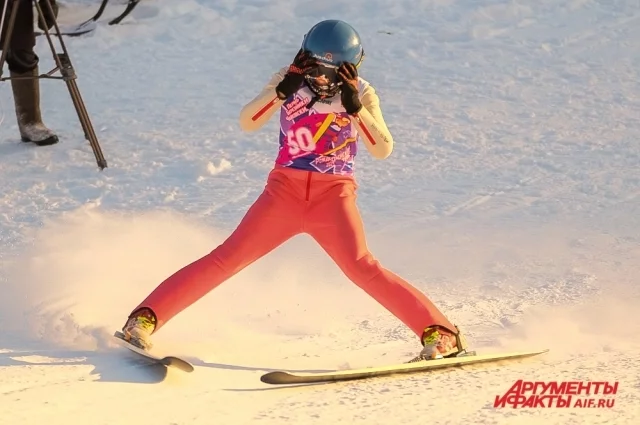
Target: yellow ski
x,y
284,377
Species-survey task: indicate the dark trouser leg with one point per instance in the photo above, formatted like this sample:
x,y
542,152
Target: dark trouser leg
x,y
23,66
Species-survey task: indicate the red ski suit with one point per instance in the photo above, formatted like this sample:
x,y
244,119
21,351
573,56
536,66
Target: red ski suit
x,y
311,190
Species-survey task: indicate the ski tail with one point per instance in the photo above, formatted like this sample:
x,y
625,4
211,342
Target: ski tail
x,y
130,6
98,14
92,23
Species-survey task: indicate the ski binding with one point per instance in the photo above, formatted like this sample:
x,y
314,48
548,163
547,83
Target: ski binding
x,y
169,361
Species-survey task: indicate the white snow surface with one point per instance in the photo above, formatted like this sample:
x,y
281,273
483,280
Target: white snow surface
x,y
512,198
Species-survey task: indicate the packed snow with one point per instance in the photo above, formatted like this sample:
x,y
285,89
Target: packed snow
x,y
512,199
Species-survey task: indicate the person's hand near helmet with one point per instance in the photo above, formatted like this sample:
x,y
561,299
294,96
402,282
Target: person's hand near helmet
x,y
294,77
348,75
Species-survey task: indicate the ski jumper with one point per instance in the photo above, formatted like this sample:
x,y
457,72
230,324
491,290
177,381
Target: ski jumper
x,y
311,190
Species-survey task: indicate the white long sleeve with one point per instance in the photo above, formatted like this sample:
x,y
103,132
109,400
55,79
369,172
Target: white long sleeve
x,y
259,110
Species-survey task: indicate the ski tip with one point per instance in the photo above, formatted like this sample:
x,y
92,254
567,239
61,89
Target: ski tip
x,y
178,363
537,352
276,377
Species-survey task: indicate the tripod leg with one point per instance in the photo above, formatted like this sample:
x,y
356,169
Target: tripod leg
x,y
68,71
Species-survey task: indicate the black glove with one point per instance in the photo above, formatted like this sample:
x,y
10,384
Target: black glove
x,y
348,74
49,19
294,77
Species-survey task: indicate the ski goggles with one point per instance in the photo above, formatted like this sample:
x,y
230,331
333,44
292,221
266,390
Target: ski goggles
x,y
323,79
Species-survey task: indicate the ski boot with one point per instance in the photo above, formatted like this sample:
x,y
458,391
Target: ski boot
x,y
139,328
439,343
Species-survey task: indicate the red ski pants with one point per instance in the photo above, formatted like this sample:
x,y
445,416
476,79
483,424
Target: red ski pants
x,y
293,202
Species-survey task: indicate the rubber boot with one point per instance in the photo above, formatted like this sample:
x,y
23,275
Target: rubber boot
x,y
26,95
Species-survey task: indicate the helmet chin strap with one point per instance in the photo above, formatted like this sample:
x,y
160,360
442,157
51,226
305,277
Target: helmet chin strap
x,y
318,96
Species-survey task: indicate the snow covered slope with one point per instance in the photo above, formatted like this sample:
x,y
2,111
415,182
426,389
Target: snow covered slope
x,y
512,198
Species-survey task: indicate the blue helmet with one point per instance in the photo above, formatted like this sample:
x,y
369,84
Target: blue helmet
x,y
331,43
